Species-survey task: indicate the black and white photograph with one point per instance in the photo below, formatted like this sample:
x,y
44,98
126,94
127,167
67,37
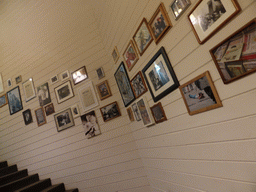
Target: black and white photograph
x,y
79,75
64,92
136,112
18,79
43,94
49,109
100,73
64,120
14,100
27,116
145,112
90,125
158,112
110,111
64,75
3,100
54,79
75,111
40,116
9,82
138,85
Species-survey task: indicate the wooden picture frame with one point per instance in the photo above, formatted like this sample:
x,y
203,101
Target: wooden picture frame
x,y
138,84
100,73
178,7
115,54
29,89
144,110
64,92
130,114
64,75
200,94
40,116
103,90
14,100
110,111
27,116
49,109
3,100
64,120
43,93
206,19
90,125
130,56
158,112
79,75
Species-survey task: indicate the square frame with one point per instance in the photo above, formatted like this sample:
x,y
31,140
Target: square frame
x,y
29,89
64,92
158,112
27,116
49,109
64,120
100,73
3,100
138,85
130,56
90,124
103,90
178,7
40,116
145,113
79,75
115,54
110,111
64,75
14,100
54,79
43,93
18,79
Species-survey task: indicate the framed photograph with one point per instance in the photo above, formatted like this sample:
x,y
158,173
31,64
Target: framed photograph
x,y
27,116
18,79
88,96
130,114
103,90
178,7
100,73
160,76
1,84
130,56
110,111
142,37
160,23
64,120
40,116
29,89
75,111
145,112
79,75
199,94
115,54
64,75
54,79
136,112
3,100
235,57
64,92
49,109
43,94
158,113
9,82
209,16
124,85
90,125
14,100
138,85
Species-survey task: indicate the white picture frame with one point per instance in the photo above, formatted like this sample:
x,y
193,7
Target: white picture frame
x,y
145,112
75,111
64,75
1,84
64,92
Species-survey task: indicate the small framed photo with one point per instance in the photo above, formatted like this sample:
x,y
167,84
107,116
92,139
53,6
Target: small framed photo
x,y
54,79
43,94
136,112
40,116
64,92
9,82
14,100
110,111
115,54
145,112
100,73
90,125
130,114
103,90
79,75
29,89
75,111
130,56
18,79
3,100
1,84
27,116
158,113
207,17
178,7
64,120
160,23
49,109
64,75
199,94
138,85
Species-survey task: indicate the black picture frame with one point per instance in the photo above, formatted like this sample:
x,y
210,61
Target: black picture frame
x,y
14,100
27,116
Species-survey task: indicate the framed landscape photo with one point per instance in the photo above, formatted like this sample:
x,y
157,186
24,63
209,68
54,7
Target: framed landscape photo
x,y
100,73
199,94
27,116
115,54
3,100
138,85
79,75
14,100
178,7
130,114
64,120
43,94
40,116
136,112
144,110
110,111
209,16
54,79
103,90
160,76
49,109
130,56
158,112
29,89
64,75
90,125
64,92
75,111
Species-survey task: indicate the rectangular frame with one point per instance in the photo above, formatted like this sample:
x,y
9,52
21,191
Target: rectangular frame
x,y
27,116
79,75
49,109
1,84
75,111
110,111
43,93
103,90
40,116
115,54
100,73
178,7
29,89
145,113
64,75
90,125
54,79
130,114
18,79
130,56
3,100
158,112
138,85
64,120
64,92
14,100
136,111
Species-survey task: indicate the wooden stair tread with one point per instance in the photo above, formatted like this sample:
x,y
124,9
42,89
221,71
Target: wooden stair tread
x,y
55,188
36,186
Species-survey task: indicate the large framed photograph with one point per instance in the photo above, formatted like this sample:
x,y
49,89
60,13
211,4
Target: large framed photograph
x,y
160,23
3,100
64,120
130,56
124,85
110,111
79,75
29,89
27,116
178,7
90,125
145,112
43,94
209,16
138,85
103,90
199,94
40,116
1,84
136,112
64,92
115,54
158,112
160,76
14,100
235,57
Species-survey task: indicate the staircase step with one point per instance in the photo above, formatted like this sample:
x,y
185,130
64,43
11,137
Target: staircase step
x,y
55,188
13,176
72,190
3,164
8,170
37,186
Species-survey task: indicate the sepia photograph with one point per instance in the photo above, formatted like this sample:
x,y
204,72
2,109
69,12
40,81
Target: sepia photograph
x,y
49,109
130,56
103,90
18,79
14,100
90,125
79,75
43,94
64,120
130,114
158,112
110,111
27,116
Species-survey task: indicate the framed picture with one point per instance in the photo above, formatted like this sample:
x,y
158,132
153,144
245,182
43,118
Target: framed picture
x,y
209,16
1,84
100,73
54,79
124,86
18,79
14,100
3,100
136,112
88,96
160,76
142,37
64,120
178,7
160,23
110,111
9,82
115,54
49,109
103,90
138,85
64,75
145,112
199,94
27,116
29,89
75,111
130,114
40,116
64,92
43,94
79,75
235,57
158,113
90,125
130,56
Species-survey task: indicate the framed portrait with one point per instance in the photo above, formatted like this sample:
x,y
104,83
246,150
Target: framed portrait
x,y
90,125
136,112
235,57
64,75
29,89
115,54
160,23
75,111
124,85
142,37
64,120
209,16
49,109
79,75
160,76
3,100
43,94
199,94
27,116
144,110
158,112
110,111
40,116
178,7
64,92
14,100
9,82
130,113
1,84
54,79
18,79
130,56
138,85
100,73
88,96
103,90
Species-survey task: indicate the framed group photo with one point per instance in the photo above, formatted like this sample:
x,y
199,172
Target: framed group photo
x,y
103,90
14,100
130,56
64,120
64,92
110,111
79,75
